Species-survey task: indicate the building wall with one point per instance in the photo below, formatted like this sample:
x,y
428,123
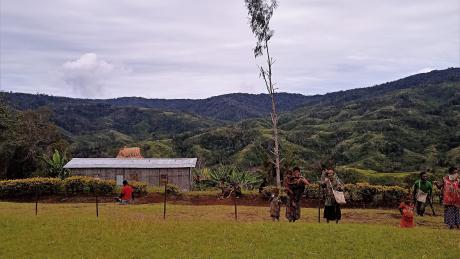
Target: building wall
x,y
178,176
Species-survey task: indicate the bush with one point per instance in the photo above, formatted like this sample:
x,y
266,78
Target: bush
x,y
375,195
267,192
29,187
70,185
230,175
84,184
173,189
140,188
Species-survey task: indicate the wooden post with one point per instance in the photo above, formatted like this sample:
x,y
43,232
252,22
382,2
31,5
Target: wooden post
x,y
97,207
319,202
164,180
36,200
234,202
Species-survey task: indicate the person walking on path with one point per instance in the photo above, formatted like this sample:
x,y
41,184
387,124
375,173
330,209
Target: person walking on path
x,y
330,182
422,193
451,197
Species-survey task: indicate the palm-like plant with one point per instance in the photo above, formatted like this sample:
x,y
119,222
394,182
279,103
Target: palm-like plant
x,y
233,176
56,165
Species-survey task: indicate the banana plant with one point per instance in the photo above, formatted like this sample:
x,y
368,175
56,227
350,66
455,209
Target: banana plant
x,y
56,164
233,176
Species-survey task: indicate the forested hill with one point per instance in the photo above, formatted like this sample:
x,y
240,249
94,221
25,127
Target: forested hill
x,y
237,106
228,107
403,125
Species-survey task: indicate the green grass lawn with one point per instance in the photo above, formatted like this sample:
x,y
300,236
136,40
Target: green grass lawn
x,y
139,231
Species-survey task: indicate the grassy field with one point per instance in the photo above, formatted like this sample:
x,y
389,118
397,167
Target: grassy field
x,y
139,231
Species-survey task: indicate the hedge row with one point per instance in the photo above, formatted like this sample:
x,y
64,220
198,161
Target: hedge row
x,y
71,185
365,193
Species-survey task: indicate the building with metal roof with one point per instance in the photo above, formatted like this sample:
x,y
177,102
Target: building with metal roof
x,y
148,170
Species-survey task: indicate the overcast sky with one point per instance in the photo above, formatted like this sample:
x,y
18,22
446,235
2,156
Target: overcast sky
x,y
203,48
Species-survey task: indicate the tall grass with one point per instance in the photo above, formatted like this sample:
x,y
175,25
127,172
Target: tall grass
x,y
72,231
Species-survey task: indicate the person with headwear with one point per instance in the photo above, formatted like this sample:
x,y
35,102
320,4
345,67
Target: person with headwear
x,y
330,182
451,197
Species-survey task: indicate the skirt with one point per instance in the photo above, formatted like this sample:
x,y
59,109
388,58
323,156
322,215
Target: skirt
x,y
332,212
451,215
293,210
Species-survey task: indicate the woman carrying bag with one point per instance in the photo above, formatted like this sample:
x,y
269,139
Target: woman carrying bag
x,y
333,194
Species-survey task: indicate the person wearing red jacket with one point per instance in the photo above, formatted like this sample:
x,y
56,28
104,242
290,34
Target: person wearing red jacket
x,y
126,194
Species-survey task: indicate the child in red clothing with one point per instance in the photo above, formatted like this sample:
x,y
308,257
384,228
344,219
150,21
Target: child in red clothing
x,y
407,212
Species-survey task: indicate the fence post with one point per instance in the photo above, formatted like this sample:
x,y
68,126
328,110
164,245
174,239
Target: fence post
x,y
97,206
36,200
164,180
234,201
319,202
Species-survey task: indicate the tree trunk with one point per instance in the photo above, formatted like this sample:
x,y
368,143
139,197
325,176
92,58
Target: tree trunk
x,y
274,116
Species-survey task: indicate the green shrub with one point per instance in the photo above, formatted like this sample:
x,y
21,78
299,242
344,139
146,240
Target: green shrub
x,y
70,185
140,188
173,189
84,184
29,187
267,192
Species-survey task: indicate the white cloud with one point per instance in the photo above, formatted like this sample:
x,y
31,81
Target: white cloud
x,y
86,75
196,49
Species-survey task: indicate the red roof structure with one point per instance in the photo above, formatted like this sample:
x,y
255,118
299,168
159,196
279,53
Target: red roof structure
x,y
129,152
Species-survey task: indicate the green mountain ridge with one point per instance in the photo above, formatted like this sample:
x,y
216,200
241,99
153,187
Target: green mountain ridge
x,y
405,125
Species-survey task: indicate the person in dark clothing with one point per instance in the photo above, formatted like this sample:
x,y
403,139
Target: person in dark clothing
x,y
330,181
295,187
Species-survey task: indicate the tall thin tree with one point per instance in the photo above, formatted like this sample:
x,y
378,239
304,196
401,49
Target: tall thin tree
x,y
260,12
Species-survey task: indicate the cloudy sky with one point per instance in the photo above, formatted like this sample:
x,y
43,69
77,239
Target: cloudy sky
x,y
203,48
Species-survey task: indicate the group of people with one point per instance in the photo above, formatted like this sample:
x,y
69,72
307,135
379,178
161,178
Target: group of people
x,y
294,184
332,187
422,196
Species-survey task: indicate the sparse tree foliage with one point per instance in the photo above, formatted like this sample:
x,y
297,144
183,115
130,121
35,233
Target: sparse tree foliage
x,y
260,12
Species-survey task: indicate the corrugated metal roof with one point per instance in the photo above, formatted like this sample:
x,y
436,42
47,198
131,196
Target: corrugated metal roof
x,y
131,163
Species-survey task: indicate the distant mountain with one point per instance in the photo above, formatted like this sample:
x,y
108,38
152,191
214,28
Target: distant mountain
x,y
237,106
229,107
403,125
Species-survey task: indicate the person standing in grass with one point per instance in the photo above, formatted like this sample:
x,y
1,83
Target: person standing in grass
x,y
406,208
126,194
422,193
451,197
275,205
290,207
330,182
295,187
